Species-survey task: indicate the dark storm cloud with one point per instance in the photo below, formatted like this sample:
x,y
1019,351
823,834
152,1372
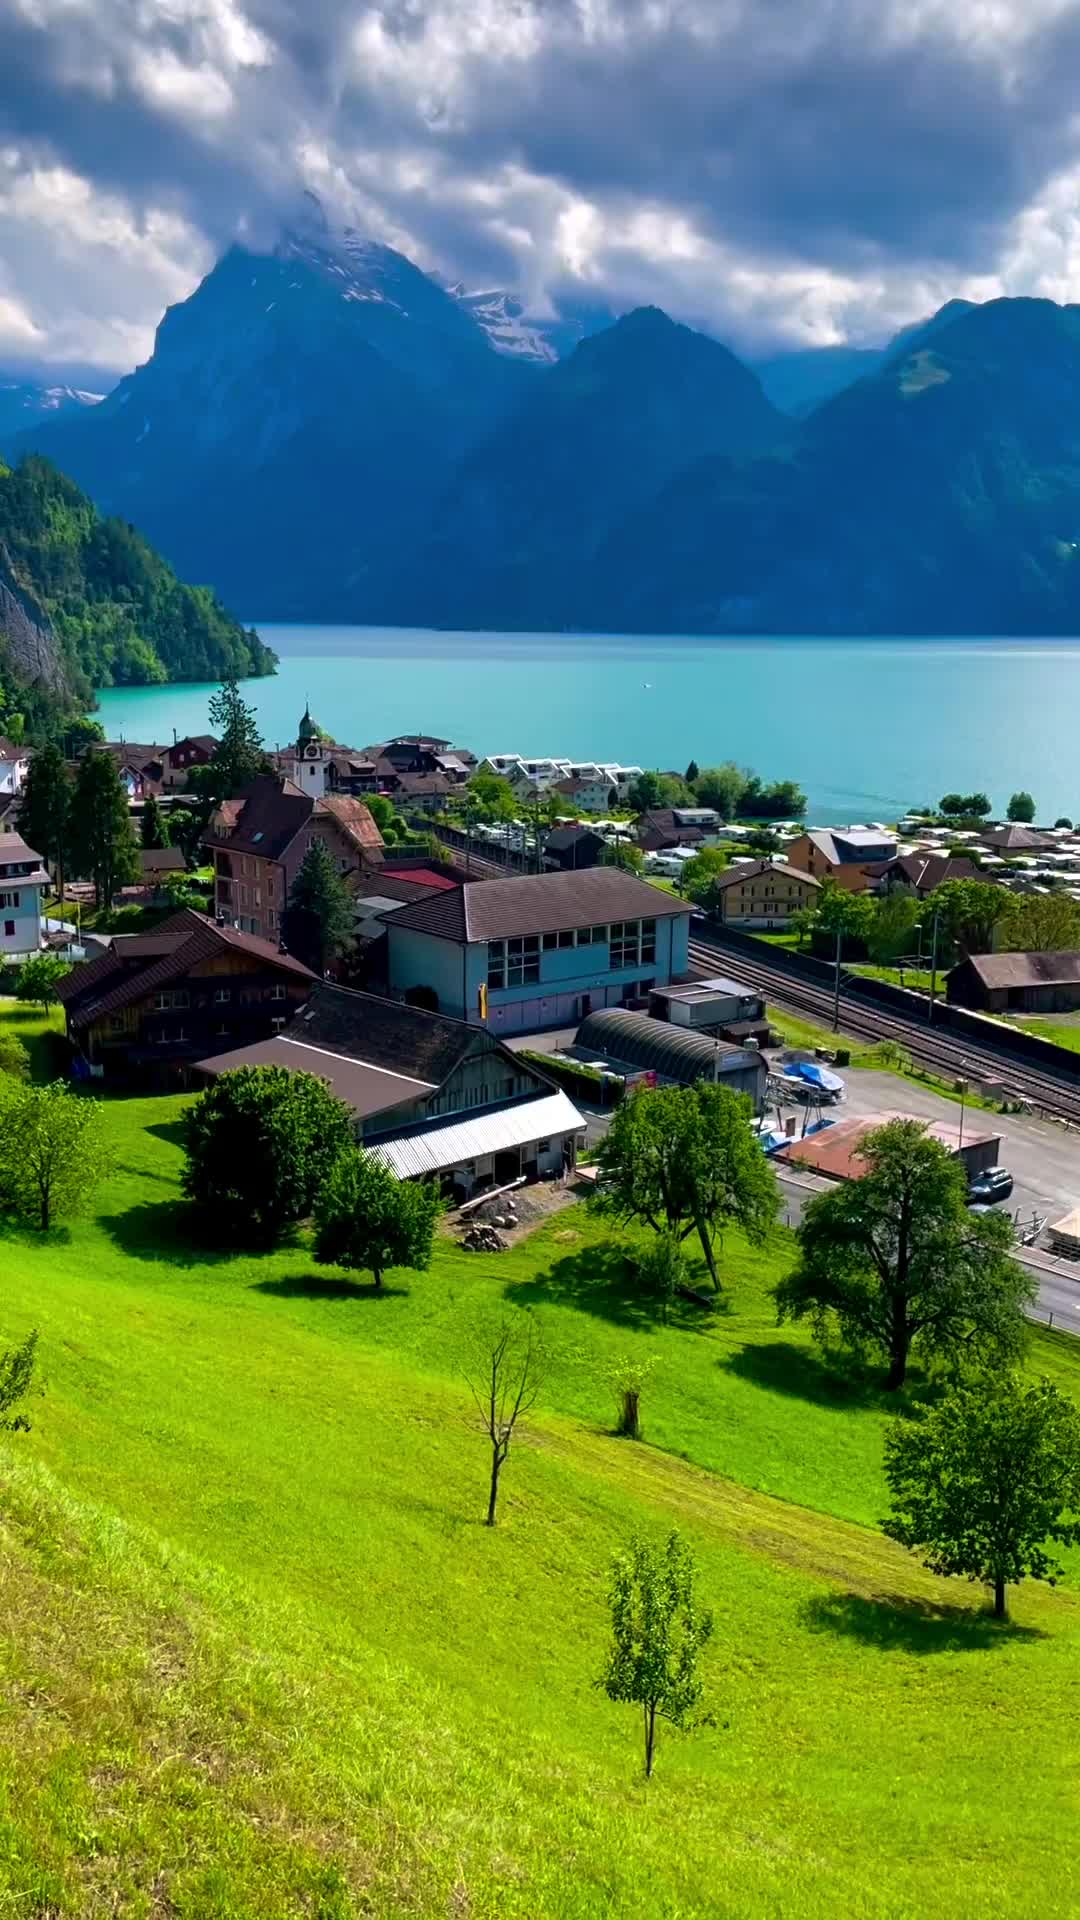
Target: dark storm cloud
x,y
865,140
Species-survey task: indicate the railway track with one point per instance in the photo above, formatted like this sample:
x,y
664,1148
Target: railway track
x,y
945,1053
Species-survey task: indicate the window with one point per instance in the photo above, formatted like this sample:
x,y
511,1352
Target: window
x,y
543,1146
278,992
9,929
551,940
178,997
514,963
9,899
181,1033
496,963
648,940
277,1023
600,936
222,995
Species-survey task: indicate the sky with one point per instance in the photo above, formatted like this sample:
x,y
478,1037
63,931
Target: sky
x,y
782,173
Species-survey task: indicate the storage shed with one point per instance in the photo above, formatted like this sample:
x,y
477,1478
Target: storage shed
x,y
636,1043
1017,982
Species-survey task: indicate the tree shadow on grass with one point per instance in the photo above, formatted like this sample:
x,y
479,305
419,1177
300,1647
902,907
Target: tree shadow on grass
x,y
898,1623
165,1230
324,1286
170,1130
782,1367
604,1280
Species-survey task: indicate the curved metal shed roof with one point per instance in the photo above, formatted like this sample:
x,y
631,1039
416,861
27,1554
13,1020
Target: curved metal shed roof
x,y
654,1046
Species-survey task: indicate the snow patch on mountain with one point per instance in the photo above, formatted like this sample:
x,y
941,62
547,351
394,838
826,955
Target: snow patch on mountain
x,y
503,319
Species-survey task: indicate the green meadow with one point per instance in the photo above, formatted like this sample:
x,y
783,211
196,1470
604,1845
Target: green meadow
x,y
260,1658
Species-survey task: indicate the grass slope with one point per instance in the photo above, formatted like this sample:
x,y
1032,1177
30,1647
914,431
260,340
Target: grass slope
x,y
259,1656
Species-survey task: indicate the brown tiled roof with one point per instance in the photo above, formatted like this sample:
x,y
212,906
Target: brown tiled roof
x,y
537,903
1015,838
926,871
734,875
562,837
265,819
207,741
354,818
161,860
421,783
997,970
384,1033
364,1088
117,979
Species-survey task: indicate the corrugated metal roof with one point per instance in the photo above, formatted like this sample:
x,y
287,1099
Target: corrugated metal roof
x,y
438,1148
679,1053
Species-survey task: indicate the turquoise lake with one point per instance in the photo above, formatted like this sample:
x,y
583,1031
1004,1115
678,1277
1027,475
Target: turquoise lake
x,y
867,727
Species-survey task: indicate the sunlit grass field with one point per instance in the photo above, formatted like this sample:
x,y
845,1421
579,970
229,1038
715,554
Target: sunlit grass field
x,y
259,1656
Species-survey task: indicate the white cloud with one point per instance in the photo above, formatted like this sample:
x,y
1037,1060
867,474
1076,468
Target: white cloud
x,y
780,172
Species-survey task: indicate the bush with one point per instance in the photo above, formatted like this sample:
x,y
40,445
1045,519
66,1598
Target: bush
x,y
260,1144
14,1059
662,1270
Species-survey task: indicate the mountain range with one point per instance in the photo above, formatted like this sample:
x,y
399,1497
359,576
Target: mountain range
x,y
324,431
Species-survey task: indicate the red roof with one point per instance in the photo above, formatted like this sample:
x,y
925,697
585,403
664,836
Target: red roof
x,y
836,1150
422,876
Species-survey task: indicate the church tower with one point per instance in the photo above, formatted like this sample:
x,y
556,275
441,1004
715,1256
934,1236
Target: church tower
x,y
309,758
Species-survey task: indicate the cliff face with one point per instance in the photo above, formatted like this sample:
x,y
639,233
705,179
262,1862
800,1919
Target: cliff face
x,y
27,642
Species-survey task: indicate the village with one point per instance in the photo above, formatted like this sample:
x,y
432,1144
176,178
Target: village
x,y
520,951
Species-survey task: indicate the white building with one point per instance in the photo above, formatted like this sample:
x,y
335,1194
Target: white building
x,y
14,766
23,886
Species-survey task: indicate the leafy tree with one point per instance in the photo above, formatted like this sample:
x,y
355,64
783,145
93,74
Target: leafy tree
x,y
381,810
654,789
506,1385
39,977
320,919
803,922
896,1261
1021,807
624,854
490,798
784,799
984,1481
238,757
52,1151
892,930
692,773
103,847
186,829
1042,923
968,912
14,1059
1063,821
684,1159
155,825
699,874
851,915
721,788
366,1218
80,733
16,1378
260,1143
45,810
968,806
657,1634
